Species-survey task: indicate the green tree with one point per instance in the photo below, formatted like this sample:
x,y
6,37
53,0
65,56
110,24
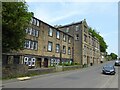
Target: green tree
x,y
114,56
103,45
15,19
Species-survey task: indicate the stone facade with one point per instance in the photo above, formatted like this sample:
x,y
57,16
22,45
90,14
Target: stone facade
x,y
46,45
86,47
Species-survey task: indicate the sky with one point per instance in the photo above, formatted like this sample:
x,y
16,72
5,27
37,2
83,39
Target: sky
x,y
101,16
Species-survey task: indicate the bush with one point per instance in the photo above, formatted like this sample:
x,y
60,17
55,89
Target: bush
x,y
85,65
72,63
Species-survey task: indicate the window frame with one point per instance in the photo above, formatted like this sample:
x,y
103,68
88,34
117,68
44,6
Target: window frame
x,y
69,50
49,47
58,36
64,37
67,29
64,49
76,28
57,48
50,32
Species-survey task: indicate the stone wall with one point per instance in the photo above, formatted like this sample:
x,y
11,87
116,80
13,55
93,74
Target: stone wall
x,y
14,70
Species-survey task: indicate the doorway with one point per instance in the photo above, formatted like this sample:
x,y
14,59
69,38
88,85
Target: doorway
x,y
16,59
39,62
46,62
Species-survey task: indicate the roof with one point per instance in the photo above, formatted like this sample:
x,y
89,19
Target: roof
x,y
53,27
74,23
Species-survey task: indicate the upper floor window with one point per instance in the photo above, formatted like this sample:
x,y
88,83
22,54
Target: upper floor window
x,y
69,39
77,28
36,33
32,31
57,47
26,30
31,21
85,38
34,21
64,37
38,23
67,30
29,44
58,35
35,45
64,49
69,50
49,46
50,32
77,37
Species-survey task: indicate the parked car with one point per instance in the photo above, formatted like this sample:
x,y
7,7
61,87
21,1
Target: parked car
x,y
109,69
117,63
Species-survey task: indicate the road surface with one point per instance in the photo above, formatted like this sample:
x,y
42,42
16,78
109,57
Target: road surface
x,y
90,77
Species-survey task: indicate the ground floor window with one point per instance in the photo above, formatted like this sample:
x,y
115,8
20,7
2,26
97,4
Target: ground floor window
x,y
30,61
54,62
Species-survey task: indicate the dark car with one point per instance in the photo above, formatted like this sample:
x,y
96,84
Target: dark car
x,y
108,69
117,63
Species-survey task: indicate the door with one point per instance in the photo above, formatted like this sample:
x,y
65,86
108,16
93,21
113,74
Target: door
x,y
45,62
39,61
16,59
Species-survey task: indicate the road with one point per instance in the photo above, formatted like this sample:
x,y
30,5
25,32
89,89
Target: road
x,y
90,77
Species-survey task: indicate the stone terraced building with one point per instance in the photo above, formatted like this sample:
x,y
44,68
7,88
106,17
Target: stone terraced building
x,y
47,45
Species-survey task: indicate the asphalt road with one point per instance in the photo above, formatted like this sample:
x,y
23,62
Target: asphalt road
x,y
90,77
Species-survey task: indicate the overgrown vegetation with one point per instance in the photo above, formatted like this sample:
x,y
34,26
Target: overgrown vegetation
x,y
15,19
103,45
113,56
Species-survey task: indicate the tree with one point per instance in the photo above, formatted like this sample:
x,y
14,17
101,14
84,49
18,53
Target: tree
x,y
114,56
15,19
103,45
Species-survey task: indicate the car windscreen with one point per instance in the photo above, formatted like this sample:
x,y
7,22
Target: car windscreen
x,y
108,68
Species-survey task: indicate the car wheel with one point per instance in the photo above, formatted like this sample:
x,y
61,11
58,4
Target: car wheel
x,y
113,73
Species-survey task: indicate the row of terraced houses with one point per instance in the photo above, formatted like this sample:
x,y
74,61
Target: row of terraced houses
x,y
47,45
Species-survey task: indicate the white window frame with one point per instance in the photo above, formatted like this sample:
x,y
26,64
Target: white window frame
x,y
32,45
64,49
26,60
26,30
37,32
33,31
35,45
34,21
27,44
50,44
57,48
31,21
29,62
69,39
33,61
50,32
38,23
58,35
30,31
77,28
69,50
67,29
64,37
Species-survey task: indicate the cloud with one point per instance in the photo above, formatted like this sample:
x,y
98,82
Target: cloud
x,y
53,12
